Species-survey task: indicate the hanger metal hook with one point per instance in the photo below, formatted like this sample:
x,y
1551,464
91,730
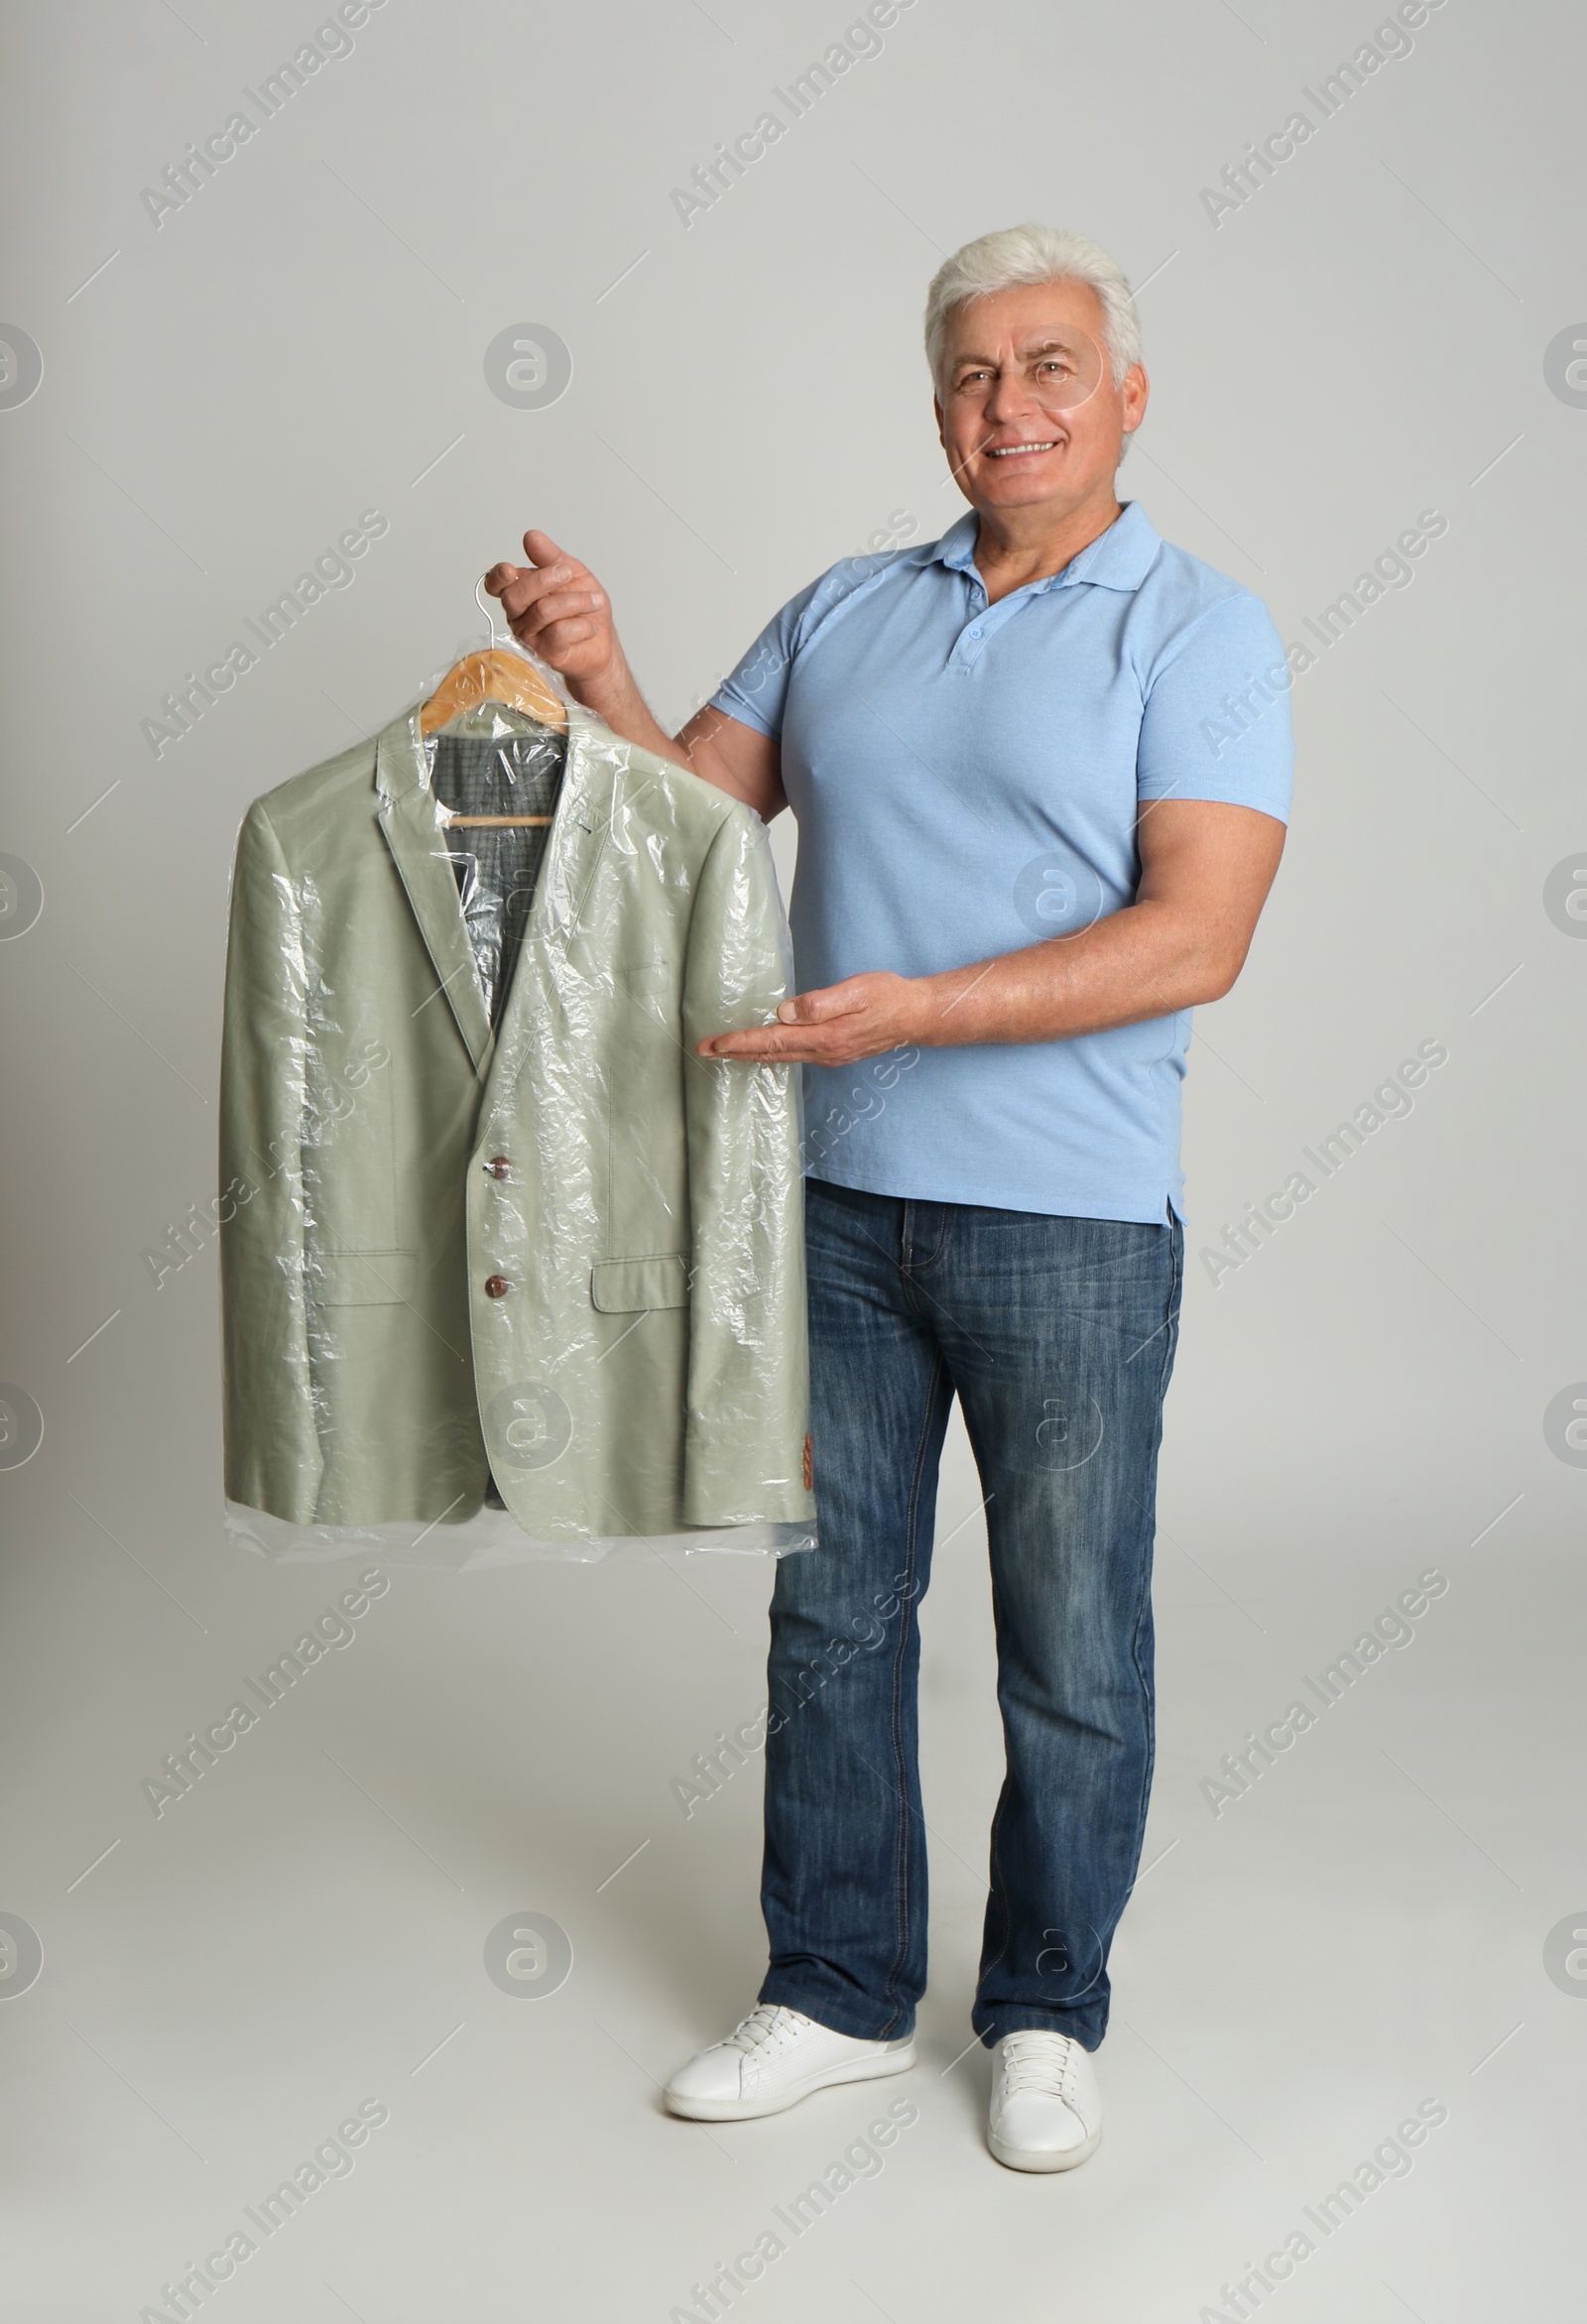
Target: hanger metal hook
x,y
490,618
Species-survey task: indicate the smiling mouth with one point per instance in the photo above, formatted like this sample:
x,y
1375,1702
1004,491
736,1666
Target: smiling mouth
x,y
1011,451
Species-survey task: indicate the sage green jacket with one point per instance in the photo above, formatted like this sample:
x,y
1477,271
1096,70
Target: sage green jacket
x,y
635,1209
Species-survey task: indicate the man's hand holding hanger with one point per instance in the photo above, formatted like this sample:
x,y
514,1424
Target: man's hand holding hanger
x,y
555,607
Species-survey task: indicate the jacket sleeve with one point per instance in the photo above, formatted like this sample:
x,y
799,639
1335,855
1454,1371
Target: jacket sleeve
x,y
747,1367
273,1457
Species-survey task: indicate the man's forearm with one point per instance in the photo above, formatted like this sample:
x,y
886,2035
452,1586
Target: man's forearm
x,y
559,610
1206,867
615,697
1146,961
1149,960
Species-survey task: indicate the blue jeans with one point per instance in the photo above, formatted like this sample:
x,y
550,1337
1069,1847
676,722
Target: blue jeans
x,y
1057,1336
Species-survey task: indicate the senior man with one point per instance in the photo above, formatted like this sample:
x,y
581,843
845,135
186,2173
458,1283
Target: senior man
x,y
1040,770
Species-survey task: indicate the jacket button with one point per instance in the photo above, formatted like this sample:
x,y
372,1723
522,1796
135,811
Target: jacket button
x,y
497,1286
498,1166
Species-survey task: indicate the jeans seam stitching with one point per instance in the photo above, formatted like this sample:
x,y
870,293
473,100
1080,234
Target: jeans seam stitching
x,y
1169,1336
900,1890
937,1247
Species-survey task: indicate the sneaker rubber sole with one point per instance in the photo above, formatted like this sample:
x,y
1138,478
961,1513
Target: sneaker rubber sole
x,y
896,2059
1042,2159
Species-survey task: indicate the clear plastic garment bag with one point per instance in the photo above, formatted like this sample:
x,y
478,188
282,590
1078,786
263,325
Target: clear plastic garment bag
x,y
507,1270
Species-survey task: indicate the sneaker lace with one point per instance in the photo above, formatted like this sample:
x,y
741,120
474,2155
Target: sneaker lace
x,y
1039,2060
767,2023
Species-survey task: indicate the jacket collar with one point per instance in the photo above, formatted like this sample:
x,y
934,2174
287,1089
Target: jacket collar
x,y
412,823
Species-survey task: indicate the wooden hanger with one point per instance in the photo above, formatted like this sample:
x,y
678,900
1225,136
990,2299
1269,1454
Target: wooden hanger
x,y
493,675
490,822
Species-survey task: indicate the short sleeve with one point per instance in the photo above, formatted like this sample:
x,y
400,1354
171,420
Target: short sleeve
x,y
1215,723
756,690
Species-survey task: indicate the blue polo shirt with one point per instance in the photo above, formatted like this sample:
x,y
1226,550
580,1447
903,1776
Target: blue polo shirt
x,y
966,779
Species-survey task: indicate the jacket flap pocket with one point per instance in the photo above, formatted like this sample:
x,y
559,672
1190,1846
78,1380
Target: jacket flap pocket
x,y
645,976
361,1278
621,1286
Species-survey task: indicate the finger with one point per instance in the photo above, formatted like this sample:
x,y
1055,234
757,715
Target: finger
x,y
562,638
798,1053
727,1045
558,604
527,588
816,1007
756,1040
541,548
499,578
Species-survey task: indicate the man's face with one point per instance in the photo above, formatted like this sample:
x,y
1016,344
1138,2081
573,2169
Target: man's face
x,y
1027,411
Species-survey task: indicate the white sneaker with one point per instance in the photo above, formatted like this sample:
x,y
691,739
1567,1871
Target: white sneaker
x,y
1047,2109
771,2060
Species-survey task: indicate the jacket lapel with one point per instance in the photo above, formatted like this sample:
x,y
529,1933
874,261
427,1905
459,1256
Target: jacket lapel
x,y
580,829
409,816
589,812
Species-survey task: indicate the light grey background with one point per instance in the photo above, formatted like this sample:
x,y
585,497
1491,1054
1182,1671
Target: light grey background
x,y
223,395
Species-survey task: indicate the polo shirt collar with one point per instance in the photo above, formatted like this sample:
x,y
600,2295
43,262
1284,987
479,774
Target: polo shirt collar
x,y
1119,558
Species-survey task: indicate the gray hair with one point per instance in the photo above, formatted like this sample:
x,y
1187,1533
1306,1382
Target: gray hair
x,y
1033,254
